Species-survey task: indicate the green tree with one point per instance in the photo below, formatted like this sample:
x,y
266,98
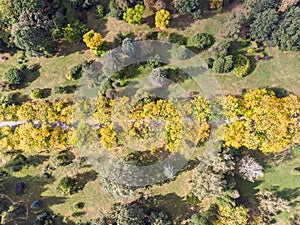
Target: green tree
x,y
32,33
74,32
186,6
202,40
130,215
134,15
264,25
67,185
14,76
288,33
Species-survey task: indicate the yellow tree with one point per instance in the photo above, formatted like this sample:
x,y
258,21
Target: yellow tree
x,y
95,42
162,19
232,215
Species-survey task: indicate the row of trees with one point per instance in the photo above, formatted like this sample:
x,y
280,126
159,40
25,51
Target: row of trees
x,y
258,120
38,110
34,139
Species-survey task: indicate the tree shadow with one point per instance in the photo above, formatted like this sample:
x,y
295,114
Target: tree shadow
x,y
279,92
70,89
289,194
181,22
35,187
36,160
84,178
19,98
179,208
64,48
150,20
46,92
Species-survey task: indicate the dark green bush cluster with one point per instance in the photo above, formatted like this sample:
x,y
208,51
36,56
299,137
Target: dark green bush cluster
x,y
14,76
203,40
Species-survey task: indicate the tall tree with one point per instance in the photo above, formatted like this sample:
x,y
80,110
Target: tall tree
x,y
32,33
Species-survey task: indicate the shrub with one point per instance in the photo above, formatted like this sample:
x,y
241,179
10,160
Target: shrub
x,y
19,188
222,64
203,40
162,19
79,205
158,77
186,6
100,11
241,66
134,15
36,93
197,15
180,52
59,90
73,32
67,185
16,163
153,61
210,62
14,76
128,47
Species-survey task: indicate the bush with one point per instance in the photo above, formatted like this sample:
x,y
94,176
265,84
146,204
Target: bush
x,y
59,90
128,47
16,163
180,52
153,61
19,188
79,205
134,15
203,40
14,76
197,15
210,62
100,11
223,64
36,93
158,77
67,185
186,6
241,66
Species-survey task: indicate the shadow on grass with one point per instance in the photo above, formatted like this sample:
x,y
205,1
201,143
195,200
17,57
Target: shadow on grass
x,y
289,194
173,204
84,178
36,160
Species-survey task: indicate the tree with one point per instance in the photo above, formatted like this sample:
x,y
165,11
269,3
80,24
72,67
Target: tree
x,y
130,215
286,4
32,33
232,28
215,4
158,77
82,4
202,40
264,25
162,19
134,15
180,52
232,215
186,6
154,5
67,185
270,204
36,93
32,6
95,43
128,47
249,169
223,64
287,35
14,76
73,33
241,66
209,179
